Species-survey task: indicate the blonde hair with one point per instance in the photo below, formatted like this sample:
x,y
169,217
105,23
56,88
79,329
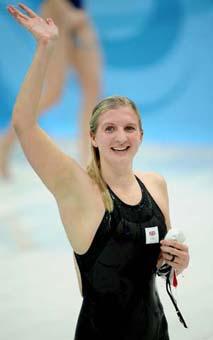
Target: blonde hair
x,y
93,168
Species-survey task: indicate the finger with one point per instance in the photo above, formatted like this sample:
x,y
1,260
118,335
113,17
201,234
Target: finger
x,y
183,247
174,264
167,257
21,19
182,261
16,13
171,243
171,258
174,244
171,250
181,256
28,10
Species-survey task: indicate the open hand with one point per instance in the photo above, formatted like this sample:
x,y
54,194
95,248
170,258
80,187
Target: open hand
x,y
42,30
175,254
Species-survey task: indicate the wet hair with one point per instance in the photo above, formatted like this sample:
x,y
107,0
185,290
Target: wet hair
x,y
93,168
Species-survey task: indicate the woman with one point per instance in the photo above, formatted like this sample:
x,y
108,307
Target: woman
x,y
78,48
115,219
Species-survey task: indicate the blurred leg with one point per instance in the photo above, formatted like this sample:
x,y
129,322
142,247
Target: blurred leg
x,y
53,88
57,68
86,60
6,143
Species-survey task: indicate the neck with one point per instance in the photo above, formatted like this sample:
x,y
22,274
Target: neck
x,y
117,176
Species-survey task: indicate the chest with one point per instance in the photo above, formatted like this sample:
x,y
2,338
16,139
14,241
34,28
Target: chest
x,y
141,226
131,197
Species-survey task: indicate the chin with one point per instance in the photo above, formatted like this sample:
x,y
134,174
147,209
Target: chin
x,y
119,159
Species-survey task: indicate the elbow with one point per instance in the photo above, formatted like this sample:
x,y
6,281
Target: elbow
x,y
17,125
20,124
16,118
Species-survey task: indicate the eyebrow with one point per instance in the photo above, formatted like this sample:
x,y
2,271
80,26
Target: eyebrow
x,y
111,123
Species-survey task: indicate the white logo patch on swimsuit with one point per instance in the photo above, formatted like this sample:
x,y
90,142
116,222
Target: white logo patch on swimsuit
x,y
152,235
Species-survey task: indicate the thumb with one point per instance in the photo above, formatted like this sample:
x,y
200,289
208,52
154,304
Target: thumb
x,y
49,21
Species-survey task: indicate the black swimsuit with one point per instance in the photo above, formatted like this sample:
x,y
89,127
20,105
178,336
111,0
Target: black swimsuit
x,y
120,300
77,3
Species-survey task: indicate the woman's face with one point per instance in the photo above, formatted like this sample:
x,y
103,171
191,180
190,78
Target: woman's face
x,y
118,135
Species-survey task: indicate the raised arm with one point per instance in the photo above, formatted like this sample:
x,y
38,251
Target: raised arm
x,y
61,174
27,104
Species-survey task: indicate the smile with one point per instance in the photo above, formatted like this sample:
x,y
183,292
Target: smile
x,y
118,149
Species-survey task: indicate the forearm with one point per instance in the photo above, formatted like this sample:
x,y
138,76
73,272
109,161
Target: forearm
x,y
26,108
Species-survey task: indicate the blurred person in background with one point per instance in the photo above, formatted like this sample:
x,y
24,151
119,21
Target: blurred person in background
x,y
115,219
77,47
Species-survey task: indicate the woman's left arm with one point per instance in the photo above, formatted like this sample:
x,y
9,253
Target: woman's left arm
x,y
174,253
170,250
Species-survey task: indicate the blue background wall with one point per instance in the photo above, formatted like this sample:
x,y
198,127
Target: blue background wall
x,y
157,52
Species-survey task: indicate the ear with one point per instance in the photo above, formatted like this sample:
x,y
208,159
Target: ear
x,y
93,141
141,136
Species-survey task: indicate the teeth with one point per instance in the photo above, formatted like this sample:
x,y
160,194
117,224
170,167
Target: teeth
x,y
120,149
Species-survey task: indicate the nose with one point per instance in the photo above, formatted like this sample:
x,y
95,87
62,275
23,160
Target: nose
x,y
121,136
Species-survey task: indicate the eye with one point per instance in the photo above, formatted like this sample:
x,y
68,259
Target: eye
x,y
109,128
130,128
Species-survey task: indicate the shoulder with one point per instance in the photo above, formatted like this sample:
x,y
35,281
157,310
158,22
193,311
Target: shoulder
x,y
152,179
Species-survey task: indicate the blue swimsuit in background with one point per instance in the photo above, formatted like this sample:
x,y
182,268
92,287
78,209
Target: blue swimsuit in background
x,y
77,3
